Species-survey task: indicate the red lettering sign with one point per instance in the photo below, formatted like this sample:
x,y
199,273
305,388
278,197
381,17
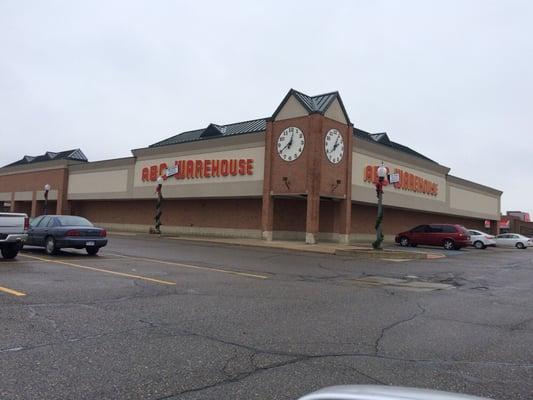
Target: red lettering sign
x,y
408,181
201,169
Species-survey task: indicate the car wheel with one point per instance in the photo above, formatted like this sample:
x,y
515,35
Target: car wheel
x,y
50,246
92,250
449,244
520,245
10,251
404,241
478,244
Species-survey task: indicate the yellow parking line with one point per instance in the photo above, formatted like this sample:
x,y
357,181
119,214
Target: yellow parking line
x,y
224,271
144,278
11,291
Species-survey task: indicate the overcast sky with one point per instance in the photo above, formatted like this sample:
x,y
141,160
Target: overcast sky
x,y
451,79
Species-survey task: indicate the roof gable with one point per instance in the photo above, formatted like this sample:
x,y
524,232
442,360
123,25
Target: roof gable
x,y
214,131
73,155
319,104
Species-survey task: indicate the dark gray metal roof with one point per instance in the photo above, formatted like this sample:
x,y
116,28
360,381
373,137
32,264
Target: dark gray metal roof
x,y
215,130
74,155
383,138
313,104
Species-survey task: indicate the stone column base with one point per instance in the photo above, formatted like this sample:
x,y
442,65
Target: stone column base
x,y
267,235
344,238
310,238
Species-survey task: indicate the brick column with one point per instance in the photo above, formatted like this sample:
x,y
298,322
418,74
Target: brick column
x,y
494,227
267,212
12,206
312,218
62,199
313,179
33,212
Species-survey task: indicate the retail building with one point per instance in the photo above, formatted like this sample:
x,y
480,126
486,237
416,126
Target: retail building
x,y
305,173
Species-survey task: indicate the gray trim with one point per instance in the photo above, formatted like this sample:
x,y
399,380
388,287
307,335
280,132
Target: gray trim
x,y
216,144
103,165
203,190
377,150
41,166
473,185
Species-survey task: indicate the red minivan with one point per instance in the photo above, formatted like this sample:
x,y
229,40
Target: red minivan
x,y
448,235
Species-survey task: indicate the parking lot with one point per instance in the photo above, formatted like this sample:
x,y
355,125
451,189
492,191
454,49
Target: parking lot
x,y
172,319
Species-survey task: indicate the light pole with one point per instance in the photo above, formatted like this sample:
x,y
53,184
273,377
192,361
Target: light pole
x,y
382,173
158,213
46,190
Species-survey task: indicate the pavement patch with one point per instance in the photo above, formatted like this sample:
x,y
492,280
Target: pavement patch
x,y
399,283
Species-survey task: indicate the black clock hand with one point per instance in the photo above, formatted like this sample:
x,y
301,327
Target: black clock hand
x,y
335,145
289,143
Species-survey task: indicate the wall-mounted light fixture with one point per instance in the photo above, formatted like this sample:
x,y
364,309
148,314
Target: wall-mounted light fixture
x,y
286,180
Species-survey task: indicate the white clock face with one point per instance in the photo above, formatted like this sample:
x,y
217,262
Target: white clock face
x,y
291,144
334,146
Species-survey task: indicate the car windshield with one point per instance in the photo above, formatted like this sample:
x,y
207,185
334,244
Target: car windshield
x,y
73,221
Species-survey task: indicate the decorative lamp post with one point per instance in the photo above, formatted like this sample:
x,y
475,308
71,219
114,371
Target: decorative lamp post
x,y
382,173
46,190
158,213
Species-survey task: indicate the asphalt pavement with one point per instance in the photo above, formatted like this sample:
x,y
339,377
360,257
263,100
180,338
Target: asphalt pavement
x,y
170,319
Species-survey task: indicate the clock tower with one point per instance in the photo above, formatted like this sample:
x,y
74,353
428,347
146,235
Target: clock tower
x,y
308,154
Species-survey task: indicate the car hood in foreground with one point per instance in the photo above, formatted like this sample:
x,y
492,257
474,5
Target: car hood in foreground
x,y
375,392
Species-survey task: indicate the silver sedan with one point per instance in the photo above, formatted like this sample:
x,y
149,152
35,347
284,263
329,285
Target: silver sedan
x,y
513,240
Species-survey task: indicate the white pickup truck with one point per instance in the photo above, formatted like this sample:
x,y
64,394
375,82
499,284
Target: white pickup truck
x,y
13,233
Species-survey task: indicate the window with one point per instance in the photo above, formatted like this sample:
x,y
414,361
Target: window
x,y
43,222
436,229
474,233
420,228
36,221
52,222
449,229
70,220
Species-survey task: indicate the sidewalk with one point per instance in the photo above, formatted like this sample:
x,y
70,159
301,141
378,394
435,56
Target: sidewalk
x,y
390,251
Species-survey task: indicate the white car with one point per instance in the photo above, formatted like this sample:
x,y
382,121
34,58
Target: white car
x,y
480,240
513,240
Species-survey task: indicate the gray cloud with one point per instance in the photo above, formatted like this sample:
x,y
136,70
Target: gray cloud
x,y
451,79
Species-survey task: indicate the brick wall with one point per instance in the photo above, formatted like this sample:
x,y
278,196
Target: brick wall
x,y
213,213
394,221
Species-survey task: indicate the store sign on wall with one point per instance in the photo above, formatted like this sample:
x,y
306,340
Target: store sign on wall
x,y
200,169
407,181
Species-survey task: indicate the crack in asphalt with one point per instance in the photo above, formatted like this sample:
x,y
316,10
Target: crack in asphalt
x,y
385,329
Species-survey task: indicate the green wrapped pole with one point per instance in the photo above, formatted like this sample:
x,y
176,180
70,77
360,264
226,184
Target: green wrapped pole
x,y
158,212
379,234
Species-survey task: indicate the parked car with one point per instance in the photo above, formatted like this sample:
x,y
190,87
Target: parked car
x,y
513,240
480,240
379,392
447,235
13,228
54,232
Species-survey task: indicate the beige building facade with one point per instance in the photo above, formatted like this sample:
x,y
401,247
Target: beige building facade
x,y
303,173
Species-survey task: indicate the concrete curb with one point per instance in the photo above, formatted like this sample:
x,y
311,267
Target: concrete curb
x,y
322,248
383,254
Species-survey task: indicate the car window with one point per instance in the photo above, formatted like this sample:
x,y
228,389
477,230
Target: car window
x,y
36,221
71,220
502,236
435,229
474,233
514,236
43,222
449,229
420,228
52,222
